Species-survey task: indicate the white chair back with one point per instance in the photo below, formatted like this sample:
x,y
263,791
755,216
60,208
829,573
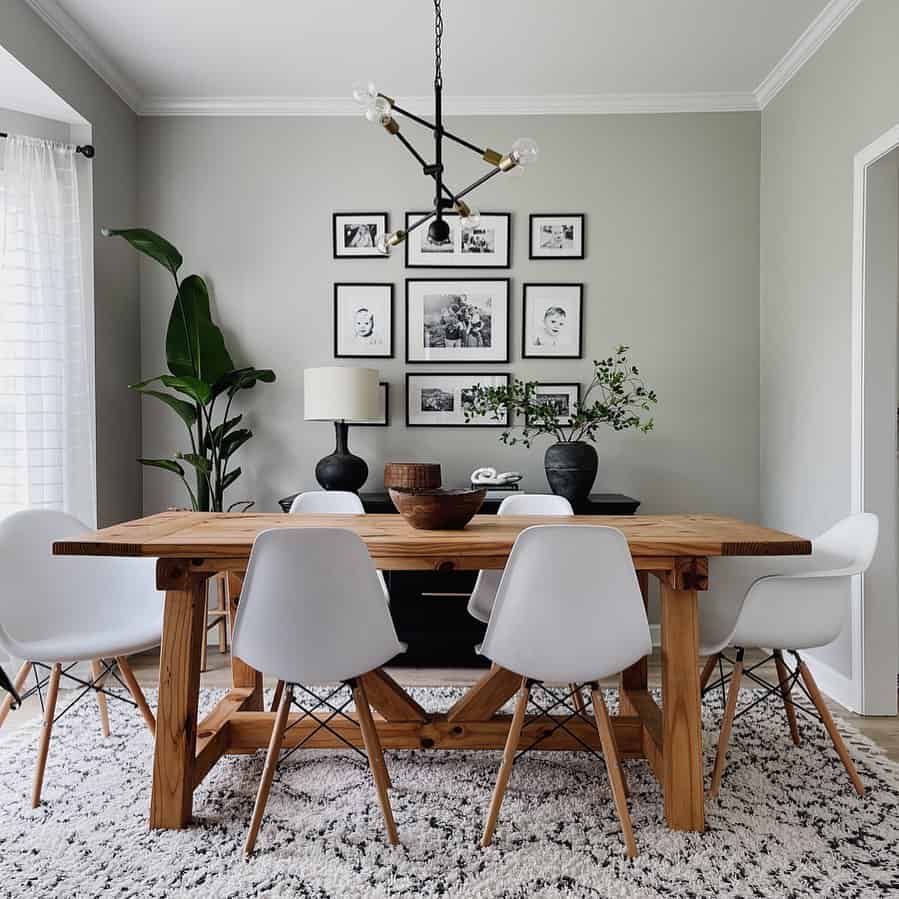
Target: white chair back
x,y
312,608
482,596
43,596
333,502
569,607
803,602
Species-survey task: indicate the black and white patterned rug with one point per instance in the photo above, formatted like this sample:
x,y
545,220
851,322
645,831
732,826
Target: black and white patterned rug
x,y
787,823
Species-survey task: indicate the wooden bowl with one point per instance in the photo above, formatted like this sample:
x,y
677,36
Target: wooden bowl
x,y
440,509
419,475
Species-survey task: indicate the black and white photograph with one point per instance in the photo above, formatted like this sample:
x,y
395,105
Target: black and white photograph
x,y
484,244
557,236
457,321
363,321
563,397
383,418
551,315
356,234
438,400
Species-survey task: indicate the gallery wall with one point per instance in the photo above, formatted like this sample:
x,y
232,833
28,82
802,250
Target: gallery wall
x,y
671,269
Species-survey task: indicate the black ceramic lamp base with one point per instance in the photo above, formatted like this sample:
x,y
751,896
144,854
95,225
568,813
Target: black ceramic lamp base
x,y
341,470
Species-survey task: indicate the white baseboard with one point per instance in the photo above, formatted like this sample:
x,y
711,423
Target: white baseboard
x,y
834,684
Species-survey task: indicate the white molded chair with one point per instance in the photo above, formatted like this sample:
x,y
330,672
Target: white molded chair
x,y
56,611
556,575
312,612
784,604
330,502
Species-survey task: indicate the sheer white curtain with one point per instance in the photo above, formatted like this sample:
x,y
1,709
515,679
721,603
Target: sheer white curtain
x,y
47,453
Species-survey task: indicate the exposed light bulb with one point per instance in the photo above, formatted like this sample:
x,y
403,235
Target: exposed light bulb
x,y
472,220
524,151
364,92
377,111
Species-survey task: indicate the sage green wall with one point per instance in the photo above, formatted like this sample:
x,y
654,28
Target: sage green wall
x,y
845,97
117,320
671,269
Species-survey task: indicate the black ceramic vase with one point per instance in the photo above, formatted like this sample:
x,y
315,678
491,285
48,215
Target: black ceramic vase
x,y
341,470
571,470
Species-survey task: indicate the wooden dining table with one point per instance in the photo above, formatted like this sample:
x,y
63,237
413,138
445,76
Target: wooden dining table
x,y
193,546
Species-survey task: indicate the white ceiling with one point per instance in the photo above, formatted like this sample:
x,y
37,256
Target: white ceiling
x,y
208,55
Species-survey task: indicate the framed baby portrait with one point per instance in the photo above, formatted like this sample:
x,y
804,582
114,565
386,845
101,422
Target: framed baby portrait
x,y
355,235
457,320
552,316
558,236
481,245
363,321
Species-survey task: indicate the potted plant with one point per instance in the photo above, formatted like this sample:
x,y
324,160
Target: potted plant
x,y
201,369
617,397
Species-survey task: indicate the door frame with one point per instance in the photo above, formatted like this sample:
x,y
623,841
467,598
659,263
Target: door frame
x,y
868,690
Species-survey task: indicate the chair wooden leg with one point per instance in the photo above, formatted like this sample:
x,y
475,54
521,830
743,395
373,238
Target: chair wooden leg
x,y
783,679
505,770
96,672
268,772
613,766
577,698
276,699
727,721
838,743
375,758
46,731
18,683
136,693
707,671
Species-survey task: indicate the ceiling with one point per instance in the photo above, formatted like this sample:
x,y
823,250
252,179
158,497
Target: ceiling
x,y
300,56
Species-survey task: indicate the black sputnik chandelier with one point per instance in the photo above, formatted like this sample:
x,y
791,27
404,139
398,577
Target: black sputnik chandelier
x,y
380,109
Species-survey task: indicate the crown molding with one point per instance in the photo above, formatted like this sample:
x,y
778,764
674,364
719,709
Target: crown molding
x,y
809,42
78,39
553,104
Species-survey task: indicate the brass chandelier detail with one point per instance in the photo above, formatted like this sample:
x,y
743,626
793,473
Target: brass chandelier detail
x,y
380,109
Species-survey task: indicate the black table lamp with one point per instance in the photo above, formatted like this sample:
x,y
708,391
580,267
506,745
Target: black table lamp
x,y
340,394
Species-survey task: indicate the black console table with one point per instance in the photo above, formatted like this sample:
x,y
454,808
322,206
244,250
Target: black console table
x,y
429,608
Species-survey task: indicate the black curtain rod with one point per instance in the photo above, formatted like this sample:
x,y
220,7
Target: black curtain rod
x,y
87,151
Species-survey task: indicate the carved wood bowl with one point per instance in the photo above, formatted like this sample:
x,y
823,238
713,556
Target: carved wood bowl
x,y
438,509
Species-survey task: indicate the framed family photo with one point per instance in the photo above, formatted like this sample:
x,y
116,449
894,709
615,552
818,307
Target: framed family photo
x,y
563,397
485,245
438,400
557,236
356,234
383,419
457,320
363,321
551,319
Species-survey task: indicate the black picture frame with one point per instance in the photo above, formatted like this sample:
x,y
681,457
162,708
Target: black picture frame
x,y
536,216
335,244
455,260
524,320
338,286
474,375
384,387
575,384
462,358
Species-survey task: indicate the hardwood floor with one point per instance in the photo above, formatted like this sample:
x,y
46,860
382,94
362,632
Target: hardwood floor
x,y
883,731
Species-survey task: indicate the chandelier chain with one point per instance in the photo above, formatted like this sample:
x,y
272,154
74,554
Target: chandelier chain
x,y
438,37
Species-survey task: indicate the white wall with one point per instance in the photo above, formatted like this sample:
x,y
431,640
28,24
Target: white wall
x,y
845,97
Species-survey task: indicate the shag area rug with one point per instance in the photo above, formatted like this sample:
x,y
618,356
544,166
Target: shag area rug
x,y
787,822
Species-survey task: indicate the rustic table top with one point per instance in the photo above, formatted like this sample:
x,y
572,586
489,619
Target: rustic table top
x,y
390,538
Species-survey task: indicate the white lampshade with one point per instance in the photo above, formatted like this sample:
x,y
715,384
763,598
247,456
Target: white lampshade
x,y
340,393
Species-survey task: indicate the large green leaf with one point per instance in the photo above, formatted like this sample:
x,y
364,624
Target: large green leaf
x,y
194,346
232,442
186,411
166,464
230,478
196,389
151,244
199,462
242,379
